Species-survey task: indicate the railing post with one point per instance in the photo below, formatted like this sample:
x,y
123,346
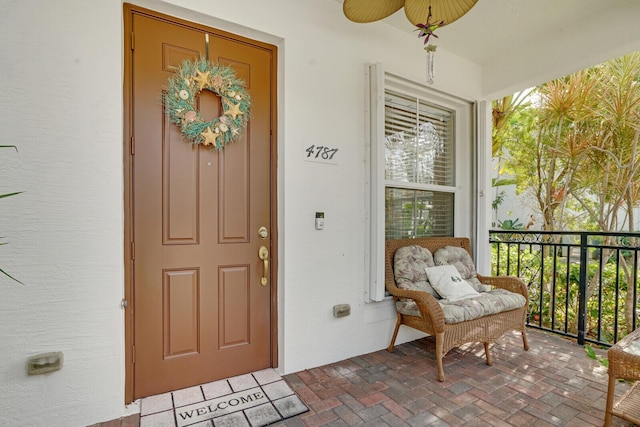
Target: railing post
x,y
582,290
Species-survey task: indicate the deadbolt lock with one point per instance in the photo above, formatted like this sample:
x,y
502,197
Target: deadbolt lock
x,y
262,232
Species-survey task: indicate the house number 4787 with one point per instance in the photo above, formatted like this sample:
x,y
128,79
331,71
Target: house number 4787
x,y
320,152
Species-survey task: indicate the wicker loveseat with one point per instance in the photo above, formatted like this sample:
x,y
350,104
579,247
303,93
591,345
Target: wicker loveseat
x,y
500,305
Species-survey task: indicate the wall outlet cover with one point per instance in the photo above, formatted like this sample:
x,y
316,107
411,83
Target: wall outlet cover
x,y
341,310
44,363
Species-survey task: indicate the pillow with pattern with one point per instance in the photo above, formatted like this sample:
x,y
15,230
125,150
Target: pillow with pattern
x,y
448,282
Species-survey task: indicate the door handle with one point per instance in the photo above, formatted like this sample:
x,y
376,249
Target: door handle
x,y
263,253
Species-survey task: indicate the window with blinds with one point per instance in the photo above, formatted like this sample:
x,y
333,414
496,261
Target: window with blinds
x,y
419,167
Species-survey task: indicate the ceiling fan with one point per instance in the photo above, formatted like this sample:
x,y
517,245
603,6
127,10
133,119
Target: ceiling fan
x,y
426,15
446,11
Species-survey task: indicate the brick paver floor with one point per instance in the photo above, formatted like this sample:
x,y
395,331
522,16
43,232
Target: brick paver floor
x,y
552,384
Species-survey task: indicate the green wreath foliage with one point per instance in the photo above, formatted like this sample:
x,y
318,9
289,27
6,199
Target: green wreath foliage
x,y
181,93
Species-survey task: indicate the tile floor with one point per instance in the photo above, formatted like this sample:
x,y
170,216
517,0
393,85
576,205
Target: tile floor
x,y
552,384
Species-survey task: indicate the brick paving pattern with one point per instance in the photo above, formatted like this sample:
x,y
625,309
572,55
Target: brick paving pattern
x,y
552,384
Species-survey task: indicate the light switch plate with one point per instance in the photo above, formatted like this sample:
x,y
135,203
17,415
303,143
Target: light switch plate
x,y
319,220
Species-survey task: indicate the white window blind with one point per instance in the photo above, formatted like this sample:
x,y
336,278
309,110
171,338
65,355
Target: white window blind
x,y
419,158
418,141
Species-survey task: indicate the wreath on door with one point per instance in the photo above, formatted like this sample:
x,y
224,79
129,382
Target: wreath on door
x,y
182,89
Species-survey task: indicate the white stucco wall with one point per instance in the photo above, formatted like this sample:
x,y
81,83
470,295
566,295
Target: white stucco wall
x,y
61,102
61,68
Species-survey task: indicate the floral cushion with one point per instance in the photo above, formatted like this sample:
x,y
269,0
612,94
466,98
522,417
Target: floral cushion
x,y
408,307
487,303
409,269
460,258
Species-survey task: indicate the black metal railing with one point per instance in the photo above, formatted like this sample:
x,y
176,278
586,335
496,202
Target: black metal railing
x,y
581,284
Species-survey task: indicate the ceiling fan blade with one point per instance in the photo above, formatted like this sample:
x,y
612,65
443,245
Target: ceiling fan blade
x,y
370,10
441,10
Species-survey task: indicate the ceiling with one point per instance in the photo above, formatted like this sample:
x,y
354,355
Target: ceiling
x,y
521,43
493,27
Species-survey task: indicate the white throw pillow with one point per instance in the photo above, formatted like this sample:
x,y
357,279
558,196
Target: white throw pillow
x,y
448,282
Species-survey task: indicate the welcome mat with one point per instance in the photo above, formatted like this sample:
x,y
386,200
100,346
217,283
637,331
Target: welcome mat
x,y
252,400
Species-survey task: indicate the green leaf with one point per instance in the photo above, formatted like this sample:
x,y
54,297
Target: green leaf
x,y
10,276
498,182
9,194
592,354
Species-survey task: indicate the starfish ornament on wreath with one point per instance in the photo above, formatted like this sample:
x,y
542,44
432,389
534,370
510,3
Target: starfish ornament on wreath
x,y
181,93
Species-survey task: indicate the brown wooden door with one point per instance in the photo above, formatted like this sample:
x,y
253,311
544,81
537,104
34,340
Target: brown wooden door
x,y
200,310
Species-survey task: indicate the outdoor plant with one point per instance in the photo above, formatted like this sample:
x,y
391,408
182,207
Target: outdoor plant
x,y
592,354
2,196
553,291
511,224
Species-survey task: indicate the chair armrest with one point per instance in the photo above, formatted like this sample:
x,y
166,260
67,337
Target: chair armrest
x,y
510,283
427,304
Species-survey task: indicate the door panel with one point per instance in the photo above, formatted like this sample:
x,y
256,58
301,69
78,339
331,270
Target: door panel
x,y
234,313
180,186
181,303
234,192
200,310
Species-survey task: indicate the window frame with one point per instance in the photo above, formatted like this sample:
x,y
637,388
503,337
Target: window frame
x,y
465,165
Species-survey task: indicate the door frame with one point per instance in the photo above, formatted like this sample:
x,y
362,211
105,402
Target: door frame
x,y
128,302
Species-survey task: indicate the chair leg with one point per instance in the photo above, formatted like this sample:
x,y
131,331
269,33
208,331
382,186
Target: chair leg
x,y
395,334
611,389
525,342
487,353
439,355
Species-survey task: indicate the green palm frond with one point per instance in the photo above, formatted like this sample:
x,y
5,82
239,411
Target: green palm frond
x,y
10,276
9,194
2,196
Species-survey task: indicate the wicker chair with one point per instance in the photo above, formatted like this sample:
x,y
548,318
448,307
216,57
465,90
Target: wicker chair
x,y
486,329
624,363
